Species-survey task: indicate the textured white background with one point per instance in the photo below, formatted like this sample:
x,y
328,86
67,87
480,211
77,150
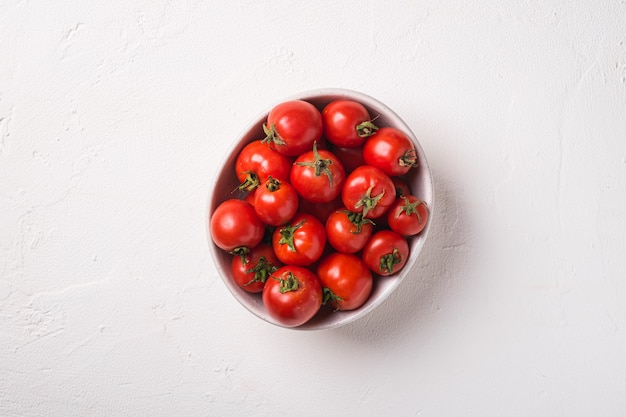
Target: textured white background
x,y
113,116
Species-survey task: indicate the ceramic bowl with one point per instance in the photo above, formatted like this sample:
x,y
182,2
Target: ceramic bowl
x,y
419,179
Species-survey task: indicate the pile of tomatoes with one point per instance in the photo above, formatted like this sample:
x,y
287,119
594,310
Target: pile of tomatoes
x,y
323,209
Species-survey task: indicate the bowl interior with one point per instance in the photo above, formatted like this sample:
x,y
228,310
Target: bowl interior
x,y
419,180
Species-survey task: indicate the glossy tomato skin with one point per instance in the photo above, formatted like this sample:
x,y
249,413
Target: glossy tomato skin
x,y
345,123
235,224
318,176
351,158
275,202
320,210
408,215
257,161
293,126
301,241
369,190
292,295
386,252
251,270
347,278
391,150
348,232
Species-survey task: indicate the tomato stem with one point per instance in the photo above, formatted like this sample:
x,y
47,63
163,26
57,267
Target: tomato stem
x,y
262,271
272,136
289,284
408,159
366,129
388,261
319,165
367,202
411,208
357,220
250,183
272,184
286,235
328,296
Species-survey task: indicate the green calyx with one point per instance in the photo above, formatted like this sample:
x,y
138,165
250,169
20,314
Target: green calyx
x,y
262,271
410,209
290,283
408,159
388,261
367,202
286,235
272,136
328,296
366,129
357,220
250,183
319,165
272,184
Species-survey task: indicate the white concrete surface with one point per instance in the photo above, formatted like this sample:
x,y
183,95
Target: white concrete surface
x,y
114,114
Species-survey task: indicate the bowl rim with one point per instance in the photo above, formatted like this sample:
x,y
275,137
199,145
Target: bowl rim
x,y
416,245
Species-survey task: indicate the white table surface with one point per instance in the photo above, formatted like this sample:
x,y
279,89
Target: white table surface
x,y
113,116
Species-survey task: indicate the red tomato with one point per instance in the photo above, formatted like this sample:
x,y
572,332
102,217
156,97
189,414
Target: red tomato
x,y
292,295
301,241
348,232
347,123
386,252
368,190
351,158
293,126
402,187
235,225
391,150
257,162
408,215
276,202
317,176
320,210
251,269
346,280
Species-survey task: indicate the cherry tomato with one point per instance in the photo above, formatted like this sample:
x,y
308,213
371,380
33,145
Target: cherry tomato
x,y
346,280
391,150
347,123
318,175
234,225
292,295
402,187
320,210
252,268
257,162
348,232
386,252
351,158
408,215
301,241
368,190
293,126
276,202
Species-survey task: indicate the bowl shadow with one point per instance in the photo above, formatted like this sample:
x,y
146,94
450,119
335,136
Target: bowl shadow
x,y
424,289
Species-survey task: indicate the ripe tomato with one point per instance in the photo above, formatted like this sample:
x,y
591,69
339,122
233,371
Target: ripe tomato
x,y
391,150
318,176
347,123
234,225
320,210
386,252
351,158
348,232
257,162
293,126
368,190
408,215
275,202
301,241
251,269
346,280
402,187
292,295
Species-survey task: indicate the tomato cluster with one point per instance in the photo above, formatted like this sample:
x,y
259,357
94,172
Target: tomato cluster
x,y
324,209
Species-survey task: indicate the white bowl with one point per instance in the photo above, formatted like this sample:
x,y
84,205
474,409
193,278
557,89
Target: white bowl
x,y
419,179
